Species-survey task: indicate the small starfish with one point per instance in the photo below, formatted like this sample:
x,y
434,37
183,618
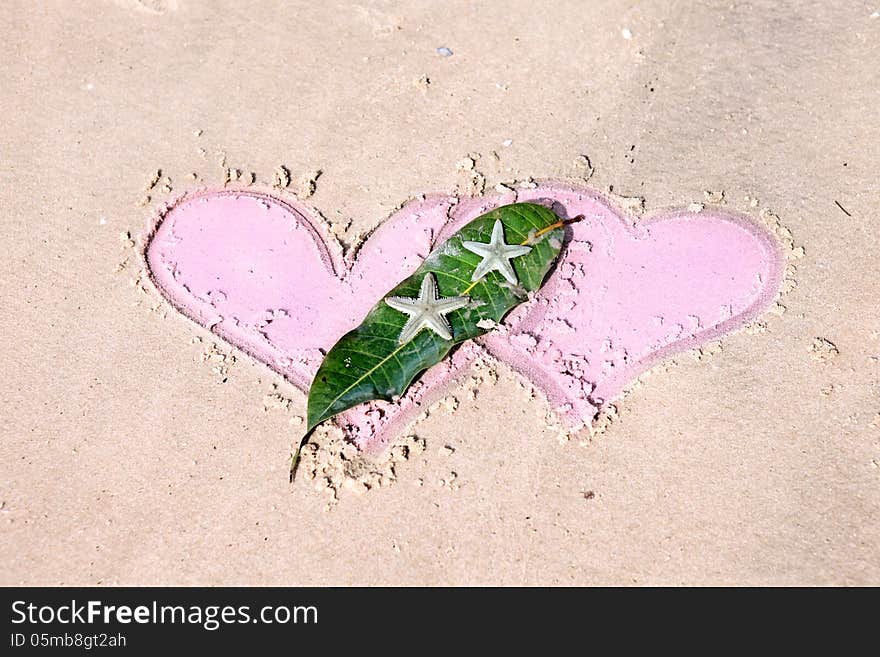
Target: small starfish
x,y
426,311
496,255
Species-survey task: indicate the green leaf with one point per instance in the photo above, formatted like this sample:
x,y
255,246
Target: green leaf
x,y
370,363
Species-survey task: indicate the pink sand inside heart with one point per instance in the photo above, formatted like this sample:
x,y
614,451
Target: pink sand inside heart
x,y
626,295
258,272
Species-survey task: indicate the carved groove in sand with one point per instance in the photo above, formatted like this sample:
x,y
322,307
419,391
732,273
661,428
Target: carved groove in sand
x,y
262,273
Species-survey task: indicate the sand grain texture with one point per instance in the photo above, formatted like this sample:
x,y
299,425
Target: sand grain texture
x,y
137,449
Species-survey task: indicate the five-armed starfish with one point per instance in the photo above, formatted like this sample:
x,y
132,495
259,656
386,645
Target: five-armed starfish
x,y
496,255
426,311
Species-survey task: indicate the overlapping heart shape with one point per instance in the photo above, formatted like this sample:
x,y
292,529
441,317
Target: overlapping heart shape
x,y
261,272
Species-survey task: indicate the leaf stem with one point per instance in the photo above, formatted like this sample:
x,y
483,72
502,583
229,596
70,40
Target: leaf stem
x,y
547,229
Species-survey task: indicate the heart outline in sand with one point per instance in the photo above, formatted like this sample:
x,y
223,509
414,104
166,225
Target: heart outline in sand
x,y
262,273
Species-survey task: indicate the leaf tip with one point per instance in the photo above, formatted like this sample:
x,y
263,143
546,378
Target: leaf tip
x,y
297,454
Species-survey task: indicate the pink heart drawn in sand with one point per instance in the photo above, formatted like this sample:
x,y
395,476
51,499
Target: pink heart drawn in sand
x,y
260,272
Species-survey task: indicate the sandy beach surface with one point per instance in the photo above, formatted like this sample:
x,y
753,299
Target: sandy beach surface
x,y
139,448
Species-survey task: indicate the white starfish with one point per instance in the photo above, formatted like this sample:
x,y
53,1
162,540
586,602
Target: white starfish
x,y
426,311
496,255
